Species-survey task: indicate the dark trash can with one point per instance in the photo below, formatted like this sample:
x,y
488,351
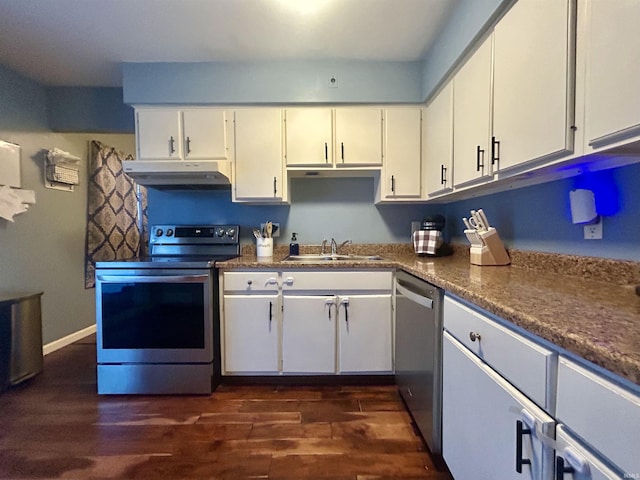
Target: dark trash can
x,y
20,338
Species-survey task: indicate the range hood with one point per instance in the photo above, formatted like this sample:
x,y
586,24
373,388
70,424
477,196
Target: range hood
x,y
176,174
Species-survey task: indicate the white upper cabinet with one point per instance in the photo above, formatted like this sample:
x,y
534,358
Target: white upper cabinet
x,y
158,134
472,117
309,137
612,100
402,159
181,134
358,136
534,89
204,133
258,172
438,144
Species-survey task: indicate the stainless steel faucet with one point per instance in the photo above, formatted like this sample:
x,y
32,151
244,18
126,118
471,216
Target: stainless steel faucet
x,y
335,246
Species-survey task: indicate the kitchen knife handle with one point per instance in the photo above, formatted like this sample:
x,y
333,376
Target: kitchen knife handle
x,y
495,151
172,148
326,153
561,469
479,164
393,184
188,145
520,431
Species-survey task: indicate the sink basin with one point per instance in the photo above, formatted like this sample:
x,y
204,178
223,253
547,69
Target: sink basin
x,y
331,258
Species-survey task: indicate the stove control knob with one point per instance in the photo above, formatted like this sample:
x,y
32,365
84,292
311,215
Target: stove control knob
x,y
169,232
220,232
159,232
231,232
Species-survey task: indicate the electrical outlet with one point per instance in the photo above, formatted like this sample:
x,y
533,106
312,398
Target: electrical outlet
x,y
593,232
275,230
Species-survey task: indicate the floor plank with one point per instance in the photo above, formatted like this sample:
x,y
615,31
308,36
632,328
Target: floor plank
x,y
55,426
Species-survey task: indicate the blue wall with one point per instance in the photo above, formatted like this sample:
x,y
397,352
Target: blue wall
x,y
22,102
320,208
538,217
88,109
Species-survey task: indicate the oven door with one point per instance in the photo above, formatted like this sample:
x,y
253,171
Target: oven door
x,y
154,315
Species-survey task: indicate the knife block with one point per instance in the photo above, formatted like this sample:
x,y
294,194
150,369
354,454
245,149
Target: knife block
x,y
491,252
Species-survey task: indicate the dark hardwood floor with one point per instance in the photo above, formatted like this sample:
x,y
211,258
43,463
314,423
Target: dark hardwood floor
x,y
56,427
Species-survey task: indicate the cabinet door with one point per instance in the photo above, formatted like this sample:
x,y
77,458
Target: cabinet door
x,y
309,334
204,132
437,160
308,133
158,134
533,93
613,72
258,155
472,117
403,130
365,333
358,136
480,419
250,334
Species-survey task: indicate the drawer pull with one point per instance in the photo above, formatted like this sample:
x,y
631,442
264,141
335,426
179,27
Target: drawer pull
x,y
520,431
473,336
561,469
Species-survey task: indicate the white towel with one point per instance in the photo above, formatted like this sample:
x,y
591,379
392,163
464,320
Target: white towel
x,y
427,241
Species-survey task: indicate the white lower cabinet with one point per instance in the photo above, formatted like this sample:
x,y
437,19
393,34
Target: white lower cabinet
x,y
251,334
309,334
490,430
609,420
364,334
575,461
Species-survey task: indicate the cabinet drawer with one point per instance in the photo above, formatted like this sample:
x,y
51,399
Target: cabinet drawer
x,y
527,365
606,415
250,281
331,281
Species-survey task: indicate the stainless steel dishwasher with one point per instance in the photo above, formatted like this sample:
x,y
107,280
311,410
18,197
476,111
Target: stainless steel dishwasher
x,y
419,354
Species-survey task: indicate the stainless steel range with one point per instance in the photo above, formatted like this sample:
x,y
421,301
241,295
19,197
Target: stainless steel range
x,y
157,316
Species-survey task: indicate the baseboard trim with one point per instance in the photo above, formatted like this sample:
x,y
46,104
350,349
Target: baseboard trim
x,y
68,340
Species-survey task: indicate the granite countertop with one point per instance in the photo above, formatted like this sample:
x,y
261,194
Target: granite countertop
x,y
590,309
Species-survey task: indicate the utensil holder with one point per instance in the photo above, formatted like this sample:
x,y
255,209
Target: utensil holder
x,y
264,247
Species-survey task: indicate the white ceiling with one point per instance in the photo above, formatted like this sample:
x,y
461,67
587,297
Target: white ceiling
x,y
84,42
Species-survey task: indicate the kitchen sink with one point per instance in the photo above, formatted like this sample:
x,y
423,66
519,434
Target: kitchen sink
x,y
331,258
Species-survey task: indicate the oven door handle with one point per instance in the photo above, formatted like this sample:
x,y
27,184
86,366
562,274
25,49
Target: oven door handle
x,y
153,278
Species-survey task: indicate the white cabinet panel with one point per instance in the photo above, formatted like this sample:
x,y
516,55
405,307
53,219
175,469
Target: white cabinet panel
x,y
571,453
604,414
309,137
472,117
250,281
403,156
365,333
331,281
251,334
258,155
358,136
437,171
533,93
309,334
158,134
204,134
481,412
613,71
525,364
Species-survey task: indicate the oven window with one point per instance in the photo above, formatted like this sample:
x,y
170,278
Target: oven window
x,y
153,315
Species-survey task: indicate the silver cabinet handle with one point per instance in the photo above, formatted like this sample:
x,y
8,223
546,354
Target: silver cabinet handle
x,y
474,336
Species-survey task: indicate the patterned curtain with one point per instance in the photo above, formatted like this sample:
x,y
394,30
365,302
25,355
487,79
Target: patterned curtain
x,y
116,213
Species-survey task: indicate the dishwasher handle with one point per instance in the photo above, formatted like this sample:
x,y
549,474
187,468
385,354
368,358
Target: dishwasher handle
x,y
414,297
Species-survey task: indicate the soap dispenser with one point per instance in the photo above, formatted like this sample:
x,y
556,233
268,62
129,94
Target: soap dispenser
x,y
294,248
